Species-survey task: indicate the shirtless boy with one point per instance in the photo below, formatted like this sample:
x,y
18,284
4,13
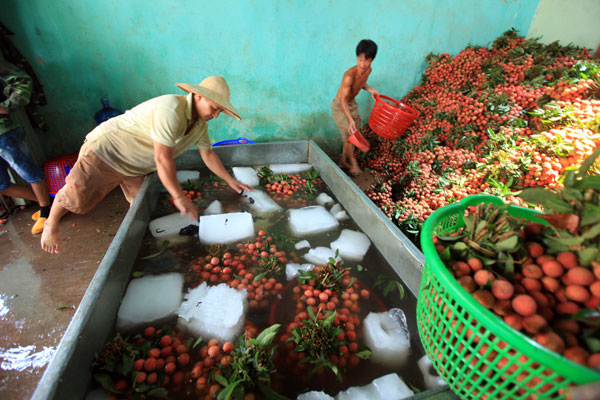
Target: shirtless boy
x,y
344,107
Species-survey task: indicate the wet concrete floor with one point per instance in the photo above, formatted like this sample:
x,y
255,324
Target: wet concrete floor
x,y
39,292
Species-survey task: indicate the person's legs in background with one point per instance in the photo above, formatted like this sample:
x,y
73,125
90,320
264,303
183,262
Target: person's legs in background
x,y
12,154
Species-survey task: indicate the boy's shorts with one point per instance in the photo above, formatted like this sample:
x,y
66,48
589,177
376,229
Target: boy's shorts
x,y
14,154
340,118
90,180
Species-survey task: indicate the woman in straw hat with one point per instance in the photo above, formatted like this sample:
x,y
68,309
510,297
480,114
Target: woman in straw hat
x,y
147,138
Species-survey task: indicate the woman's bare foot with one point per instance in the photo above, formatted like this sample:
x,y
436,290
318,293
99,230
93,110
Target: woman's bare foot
x,y
50,241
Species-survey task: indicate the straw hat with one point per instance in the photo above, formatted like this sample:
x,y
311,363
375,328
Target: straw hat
x,y
213,88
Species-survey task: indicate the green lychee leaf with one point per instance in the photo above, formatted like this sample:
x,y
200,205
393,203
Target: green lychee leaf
x,y
585,166
538,195
558,205
590,214
508,244
590,182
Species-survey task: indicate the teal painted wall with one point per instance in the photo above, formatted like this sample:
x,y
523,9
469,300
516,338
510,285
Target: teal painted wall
x,y
283,59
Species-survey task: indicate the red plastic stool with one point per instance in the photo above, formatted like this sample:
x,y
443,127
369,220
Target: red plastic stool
x,y
56,170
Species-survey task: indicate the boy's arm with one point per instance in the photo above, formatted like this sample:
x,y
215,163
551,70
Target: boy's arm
x,y
213,162
345,92
374,92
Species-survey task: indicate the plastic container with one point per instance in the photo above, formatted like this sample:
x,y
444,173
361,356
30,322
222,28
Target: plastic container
x,y
56,170
107,112
231,142
359,141
472,349
391,118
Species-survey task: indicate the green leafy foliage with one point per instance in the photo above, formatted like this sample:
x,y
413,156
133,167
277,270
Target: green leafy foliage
x,y
491,235
317,338
330,276
389,286
573,212
268,266
251,366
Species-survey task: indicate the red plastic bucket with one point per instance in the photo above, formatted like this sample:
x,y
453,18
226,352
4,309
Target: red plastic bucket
x,y
391,118
56,170
359,141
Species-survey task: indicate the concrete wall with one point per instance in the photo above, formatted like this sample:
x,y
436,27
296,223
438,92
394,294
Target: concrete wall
x,y
568,21
282,59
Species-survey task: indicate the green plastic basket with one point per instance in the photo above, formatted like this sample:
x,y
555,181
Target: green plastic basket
x,y
473,350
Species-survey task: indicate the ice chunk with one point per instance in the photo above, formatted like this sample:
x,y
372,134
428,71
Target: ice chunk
x,y
314,395
184,176
260,202
320,255
387,387
291,269
341,216
352,245
323,198
226,228
214,208
391,386
311,220
336,208
289,168
386,334
246,175
213,312
141,305
431,380
303,244
356,393
169,225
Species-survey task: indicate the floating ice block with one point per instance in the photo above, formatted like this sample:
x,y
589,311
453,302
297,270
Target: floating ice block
x,y
356,393
311,220
341,216
246,175
320,255
386,334
338,212
352,245
390,386
323,198
213,312
169,225
260,203
387,387
431,380
289,168
214,208
184,176
226,228
303,244
336,208
141,306
314,395
291,269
